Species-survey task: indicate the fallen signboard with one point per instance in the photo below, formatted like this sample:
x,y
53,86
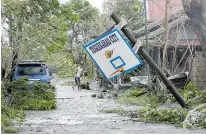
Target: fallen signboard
x,y
113,54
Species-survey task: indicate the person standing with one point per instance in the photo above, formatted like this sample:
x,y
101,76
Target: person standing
x,y
77,77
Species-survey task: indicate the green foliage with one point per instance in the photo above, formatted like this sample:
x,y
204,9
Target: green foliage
x,y
39,97
202,123
87,25
12,112
132,11
34,104
136,93
173,116
11,130
84,9
194,116
39,27
193,95
21,84
133,97
190,91
7,114
65,73
5,121
120,111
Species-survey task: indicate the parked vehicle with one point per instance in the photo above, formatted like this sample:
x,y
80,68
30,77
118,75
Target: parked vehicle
x,y
36,70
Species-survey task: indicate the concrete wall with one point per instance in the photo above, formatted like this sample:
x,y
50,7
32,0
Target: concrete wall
x,y
198,70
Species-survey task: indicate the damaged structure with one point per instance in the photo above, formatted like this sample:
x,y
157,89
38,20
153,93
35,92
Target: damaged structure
x,y
184,53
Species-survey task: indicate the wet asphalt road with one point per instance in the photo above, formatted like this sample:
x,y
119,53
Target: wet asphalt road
x,y
79,113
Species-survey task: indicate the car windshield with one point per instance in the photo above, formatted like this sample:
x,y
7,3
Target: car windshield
x,y
31,69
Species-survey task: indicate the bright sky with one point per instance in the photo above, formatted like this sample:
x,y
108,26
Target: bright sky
x,y
95,3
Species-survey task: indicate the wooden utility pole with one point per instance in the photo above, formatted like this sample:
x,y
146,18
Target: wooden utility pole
x,y
165,43
144,55
146,34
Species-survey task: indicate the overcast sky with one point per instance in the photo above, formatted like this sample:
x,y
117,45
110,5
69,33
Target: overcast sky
x,y
95,3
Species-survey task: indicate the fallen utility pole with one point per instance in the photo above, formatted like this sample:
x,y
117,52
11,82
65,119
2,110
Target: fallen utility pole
x,y
144,55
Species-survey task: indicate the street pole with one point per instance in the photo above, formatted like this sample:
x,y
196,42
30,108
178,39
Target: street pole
x,y
144,54
146,34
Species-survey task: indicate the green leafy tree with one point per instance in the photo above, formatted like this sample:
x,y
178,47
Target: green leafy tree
x,y
131,10
36,29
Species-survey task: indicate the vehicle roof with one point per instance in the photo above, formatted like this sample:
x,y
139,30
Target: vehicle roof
x,y
32,62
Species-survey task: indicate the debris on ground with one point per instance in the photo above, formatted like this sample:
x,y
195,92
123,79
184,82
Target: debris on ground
x,y
85,86
93,95
100,95
196,117
179,80
115,94
141,80
104,90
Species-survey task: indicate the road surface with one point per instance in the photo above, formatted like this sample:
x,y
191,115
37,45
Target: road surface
x,y
79,113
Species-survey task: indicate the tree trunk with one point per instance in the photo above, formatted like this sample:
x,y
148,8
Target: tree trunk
x,y
11,44
196,11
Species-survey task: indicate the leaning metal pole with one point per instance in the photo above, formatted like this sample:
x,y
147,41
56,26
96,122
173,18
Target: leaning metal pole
x,y
144,55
